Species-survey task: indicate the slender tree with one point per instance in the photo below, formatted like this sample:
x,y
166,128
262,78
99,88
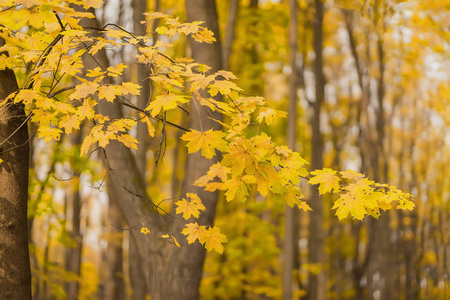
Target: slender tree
x,y
316,288
289,234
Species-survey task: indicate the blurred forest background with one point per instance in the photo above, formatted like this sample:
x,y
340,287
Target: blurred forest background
x,y
366,85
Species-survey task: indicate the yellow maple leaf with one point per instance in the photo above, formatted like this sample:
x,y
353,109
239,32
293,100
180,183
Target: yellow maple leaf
x,y
121,125
349,203
165,102
115,71
49,133
222,86
109,92
37,19
115,33
103,138
350,174
146,120
196,200
238,157
130,88
194,232
99,44
27,96
217,170
327,179
83,90
238,188
205,35
87,142
95,72
294,196
214,240
128,141
69,122
73,32
86,110
269,115
208,141
191,208
190,28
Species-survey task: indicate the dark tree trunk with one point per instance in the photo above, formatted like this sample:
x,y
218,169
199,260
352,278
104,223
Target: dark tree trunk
x,y
316,288
137,280
289,234
15,276
229,33
74,254
114,286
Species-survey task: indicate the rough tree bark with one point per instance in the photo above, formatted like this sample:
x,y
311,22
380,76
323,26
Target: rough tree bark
x,y
15,276
316,285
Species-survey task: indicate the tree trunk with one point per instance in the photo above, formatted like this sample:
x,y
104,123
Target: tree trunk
x,y
15,276
124,180
137,279
73,259
382,270
316,288
114,286
170,272
289,234
229,33
185,264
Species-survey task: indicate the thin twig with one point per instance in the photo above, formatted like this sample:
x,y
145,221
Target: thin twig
x,y
81,169
163,135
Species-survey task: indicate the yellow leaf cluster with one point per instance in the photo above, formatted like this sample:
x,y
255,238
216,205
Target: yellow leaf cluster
x,y
211,237
191,208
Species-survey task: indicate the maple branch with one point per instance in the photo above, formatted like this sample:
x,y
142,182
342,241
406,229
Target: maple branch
x,y
157,118
54,75
163,135
63,28
51,95
135,225
43,57
10,7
